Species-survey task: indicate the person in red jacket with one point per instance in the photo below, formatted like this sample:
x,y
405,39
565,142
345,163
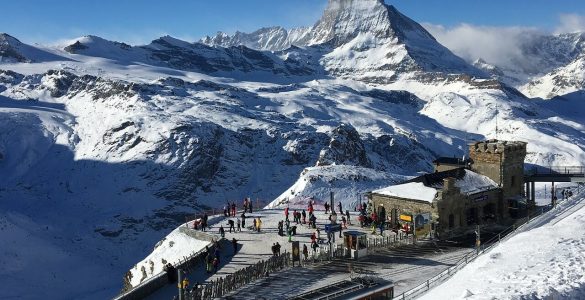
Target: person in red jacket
x,y
286,213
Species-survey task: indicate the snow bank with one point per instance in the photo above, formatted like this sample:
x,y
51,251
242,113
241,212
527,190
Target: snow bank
x,y
171,249
546,261
347,183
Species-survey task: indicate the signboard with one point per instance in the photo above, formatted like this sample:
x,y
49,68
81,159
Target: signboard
x,y
296,251
480,198
406,218
332,227
422,224
422,219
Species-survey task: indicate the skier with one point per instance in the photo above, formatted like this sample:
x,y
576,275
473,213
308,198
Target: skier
x,y
313,237
250,205
286,213
277,248
254,220
340,208
225,210
221,231
239,225
305,252
304,214
243,215
326,207
234,209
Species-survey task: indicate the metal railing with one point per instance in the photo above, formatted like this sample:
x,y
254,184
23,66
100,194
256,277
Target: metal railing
x,y
556,170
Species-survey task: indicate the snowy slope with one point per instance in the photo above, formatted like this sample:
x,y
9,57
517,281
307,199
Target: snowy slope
x,y
546,260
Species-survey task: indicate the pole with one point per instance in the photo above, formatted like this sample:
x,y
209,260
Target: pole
x,y
332,201
477,239
180,277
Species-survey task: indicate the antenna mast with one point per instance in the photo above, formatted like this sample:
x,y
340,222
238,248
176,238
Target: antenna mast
x,y
497,115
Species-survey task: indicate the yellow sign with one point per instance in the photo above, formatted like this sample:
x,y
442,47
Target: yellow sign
x,y
406,218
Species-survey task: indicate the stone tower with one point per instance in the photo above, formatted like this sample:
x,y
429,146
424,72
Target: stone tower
x,y
503,162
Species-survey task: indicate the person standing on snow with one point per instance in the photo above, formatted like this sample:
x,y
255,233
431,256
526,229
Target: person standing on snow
x,y
231,224
221,231
286,213
340,208
347,215
305,252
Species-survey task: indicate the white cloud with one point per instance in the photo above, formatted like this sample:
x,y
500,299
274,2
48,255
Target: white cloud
x,y
500,46
569,23
496,45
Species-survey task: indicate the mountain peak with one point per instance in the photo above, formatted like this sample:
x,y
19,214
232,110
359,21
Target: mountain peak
x,y
6,38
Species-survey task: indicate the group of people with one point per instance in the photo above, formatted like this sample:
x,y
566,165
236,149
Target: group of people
x,y
276,249
300,217
201,223
229,210
212,259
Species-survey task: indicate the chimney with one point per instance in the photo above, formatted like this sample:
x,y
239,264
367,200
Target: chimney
x,y
448,184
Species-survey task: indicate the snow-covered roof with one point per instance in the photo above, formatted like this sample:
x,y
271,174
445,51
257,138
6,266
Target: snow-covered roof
x,y
425,187
472,183
411,190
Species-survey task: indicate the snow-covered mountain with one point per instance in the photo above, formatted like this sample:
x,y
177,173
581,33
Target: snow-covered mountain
x,y
105,147
365,39
14,51
544,66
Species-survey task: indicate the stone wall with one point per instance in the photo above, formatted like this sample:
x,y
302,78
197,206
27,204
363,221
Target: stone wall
x,y
404,206
502,161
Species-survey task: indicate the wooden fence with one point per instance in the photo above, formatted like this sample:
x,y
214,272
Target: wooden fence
x,y
222,286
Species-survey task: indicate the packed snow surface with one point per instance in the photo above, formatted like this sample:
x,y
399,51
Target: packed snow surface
x,y
173,248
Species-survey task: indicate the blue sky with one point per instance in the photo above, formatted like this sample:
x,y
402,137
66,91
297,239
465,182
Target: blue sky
x,y
138,21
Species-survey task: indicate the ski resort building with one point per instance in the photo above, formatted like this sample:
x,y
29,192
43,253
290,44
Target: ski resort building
x,y
460,194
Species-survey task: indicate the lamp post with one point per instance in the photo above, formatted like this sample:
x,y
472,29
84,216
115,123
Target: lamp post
x,y
333,219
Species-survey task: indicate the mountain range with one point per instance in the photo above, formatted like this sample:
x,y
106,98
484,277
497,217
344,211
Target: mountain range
x,y
105,146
